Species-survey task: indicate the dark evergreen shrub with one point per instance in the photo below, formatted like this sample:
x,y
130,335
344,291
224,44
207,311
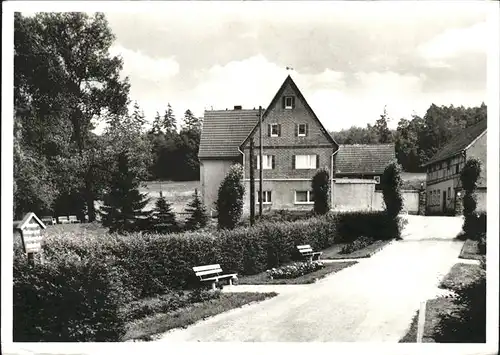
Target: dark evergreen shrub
x,y
321,186
230,198
198,217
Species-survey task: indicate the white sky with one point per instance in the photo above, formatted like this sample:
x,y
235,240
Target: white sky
x,y
350,59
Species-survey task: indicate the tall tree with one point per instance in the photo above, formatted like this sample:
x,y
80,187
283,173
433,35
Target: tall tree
x,y
381,128
156,128
65,82
191,122
169,121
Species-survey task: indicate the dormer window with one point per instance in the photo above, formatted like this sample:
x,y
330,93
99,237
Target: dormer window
x,y
288,102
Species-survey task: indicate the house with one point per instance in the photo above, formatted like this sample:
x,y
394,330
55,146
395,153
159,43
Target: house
x,y
295,145
363,161
443,185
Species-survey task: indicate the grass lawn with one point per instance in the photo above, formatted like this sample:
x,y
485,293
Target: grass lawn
x,y
334,251
470,250
460,274
145,328
262,279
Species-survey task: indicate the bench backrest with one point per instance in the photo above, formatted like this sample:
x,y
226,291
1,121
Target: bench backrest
x,y
206,270
62,218
73,218
304,248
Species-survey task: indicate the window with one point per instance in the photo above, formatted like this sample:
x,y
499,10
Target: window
x,y
274,130
306,161
289,101
302,130
268,162
304,197
457,169
266,197
449,193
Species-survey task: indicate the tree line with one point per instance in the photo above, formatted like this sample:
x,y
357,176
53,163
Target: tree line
x,y
65,84
416,139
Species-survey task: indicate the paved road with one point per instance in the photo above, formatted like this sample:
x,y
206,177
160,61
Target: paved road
x,y
373,300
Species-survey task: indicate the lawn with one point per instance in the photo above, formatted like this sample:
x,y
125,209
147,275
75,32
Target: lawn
x,y
334,251
146,328
470,250
459,275
263,279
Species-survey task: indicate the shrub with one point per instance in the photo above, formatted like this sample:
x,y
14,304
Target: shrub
x,y
466,324
230,198
391,183
469,176
69,299
320,186
294,270
198,217
358,244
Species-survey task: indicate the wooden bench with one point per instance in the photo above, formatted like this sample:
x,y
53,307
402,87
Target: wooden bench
x,y
62,219
212,273
73,219
307,252
48,220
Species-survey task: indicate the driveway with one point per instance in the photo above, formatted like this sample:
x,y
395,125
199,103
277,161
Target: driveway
x,y
373,300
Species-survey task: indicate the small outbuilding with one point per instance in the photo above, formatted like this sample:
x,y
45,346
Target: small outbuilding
x,y
29,231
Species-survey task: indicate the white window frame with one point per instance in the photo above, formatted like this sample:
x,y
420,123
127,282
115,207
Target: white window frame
x,y
305,130
308,202
268,162
311,162
277,134
267,200
288,107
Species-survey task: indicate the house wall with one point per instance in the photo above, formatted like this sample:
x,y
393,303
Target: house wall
x,y
410,201
282,195
212,172
353,194
478,150
443,176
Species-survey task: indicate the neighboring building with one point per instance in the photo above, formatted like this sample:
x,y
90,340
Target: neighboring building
x,y
295,146
363,161
443,185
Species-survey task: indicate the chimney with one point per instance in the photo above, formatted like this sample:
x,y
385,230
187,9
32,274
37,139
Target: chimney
x,y
237,107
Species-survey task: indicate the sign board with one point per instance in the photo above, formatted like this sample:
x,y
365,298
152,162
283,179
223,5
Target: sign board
x,y
30,228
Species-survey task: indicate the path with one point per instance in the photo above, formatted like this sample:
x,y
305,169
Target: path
x,y
373,300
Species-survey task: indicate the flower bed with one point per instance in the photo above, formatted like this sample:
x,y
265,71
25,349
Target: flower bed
x,y
294,270
360,243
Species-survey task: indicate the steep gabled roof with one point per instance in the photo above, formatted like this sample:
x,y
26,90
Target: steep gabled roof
x,y
364,158
223,131
460,142
273,103
21,224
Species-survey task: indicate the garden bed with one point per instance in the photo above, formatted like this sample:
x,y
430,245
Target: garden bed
x,y
460,275
263,278
470,250
334,252
147,327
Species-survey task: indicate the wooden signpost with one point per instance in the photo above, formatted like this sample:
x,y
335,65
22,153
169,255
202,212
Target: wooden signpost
x,y
30,228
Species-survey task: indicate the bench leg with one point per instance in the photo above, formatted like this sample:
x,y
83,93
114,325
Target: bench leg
x,y
213,286
231,281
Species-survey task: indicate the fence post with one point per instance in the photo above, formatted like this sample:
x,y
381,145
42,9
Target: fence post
x,y
421,322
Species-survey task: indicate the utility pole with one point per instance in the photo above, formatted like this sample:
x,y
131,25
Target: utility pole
x,y
260,161
252,184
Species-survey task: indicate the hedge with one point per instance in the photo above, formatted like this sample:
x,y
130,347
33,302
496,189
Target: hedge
x,y
77,294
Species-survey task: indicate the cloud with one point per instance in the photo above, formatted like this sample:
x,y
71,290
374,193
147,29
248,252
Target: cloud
x,y
137,65
455,42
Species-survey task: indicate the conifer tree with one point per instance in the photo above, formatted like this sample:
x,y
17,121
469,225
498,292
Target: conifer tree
x,y
198,217
163,218
169,121
123,203
230,198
